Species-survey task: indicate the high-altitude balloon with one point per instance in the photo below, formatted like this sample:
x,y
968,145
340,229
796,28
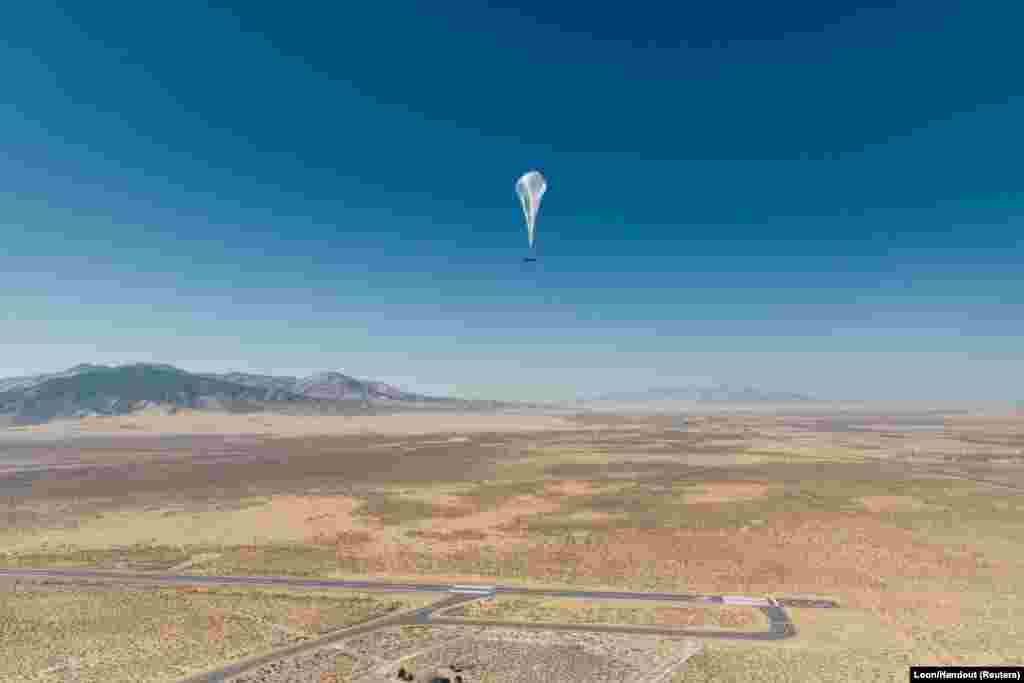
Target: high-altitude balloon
x,y
530,188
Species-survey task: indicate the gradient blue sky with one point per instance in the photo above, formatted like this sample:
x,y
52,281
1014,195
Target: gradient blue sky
x,y
809,196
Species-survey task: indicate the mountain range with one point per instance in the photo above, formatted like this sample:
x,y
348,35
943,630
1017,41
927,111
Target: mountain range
x,y
88,389
116,390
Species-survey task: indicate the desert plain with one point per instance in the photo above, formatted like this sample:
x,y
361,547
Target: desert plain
x,y
915,526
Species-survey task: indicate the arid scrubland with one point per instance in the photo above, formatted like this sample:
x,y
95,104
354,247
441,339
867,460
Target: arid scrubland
x,y
485,655
632,612
162,634
919,535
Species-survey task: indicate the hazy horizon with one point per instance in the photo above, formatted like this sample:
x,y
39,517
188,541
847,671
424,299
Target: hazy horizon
x,y
906,402
823,200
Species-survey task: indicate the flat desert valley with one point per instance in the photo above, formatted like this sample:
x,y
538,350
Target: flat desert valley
x,y
913,525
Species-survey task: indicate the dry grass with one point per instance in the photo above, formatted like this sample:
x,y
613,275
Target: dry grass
x,y
138,557
278,519
888,503
218,469
726,493
449,537
403,424
876,641
161,634
632,612
926,568
508,655
728,663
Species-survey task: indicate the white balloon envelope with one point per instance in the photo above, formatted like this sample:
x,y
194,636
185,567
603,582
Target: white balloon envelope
x,y
531,188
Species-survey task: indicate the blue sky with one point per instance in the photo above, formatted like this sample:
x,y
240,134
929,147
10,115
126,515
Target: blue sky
x,y
820,197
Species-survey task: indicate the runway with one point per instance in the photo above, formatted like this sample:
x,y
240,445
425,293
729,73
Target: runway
x,y
779,624
156,577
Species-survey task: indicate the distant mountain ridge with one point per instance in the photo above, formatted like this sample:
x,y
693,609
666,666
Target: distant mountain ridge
x,y
331,386
708,393
10,383
116,390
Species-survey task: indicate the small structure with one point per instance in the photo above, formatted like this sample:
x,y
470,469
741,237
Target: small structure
x,y
439,675
449,674
69,665
72,670
278,635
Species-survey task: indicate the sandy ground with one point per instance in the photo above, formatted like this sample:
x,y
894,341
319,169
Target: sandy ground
x,y
200,422
279,519
160,634
925,568
726,493
483,656
284,519
886,503
591,611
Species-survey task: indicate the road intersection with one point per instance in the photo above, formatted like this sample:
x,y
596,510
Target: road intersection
x,y
779,624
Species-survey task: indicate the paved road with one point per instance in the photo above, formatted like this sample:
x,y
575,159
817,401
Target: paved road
x,y
156,577
405,617
779,624
778,629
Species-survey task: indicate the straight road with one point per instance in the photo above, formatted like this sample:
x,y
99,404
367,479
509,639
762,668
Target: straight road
x,y
779,624
156,577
